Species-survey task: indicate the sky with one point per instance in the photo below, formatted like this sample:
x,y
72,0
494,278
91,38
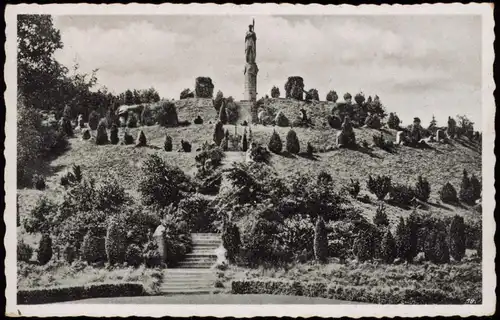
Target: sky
x,y
418,65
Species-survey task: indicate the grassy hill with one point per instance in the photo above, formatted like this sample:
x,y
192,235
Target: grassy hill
x,y
443,163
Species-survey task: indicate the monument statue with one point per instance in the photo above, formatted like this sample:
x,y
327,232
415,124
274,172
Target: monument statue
x,y
251,44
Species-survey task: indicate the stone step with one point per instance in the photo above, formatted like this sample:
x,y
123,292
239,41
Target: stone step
x,y
186,291
199,260
187,285
196,265
188,279
216,235
203,244
186,270
202,253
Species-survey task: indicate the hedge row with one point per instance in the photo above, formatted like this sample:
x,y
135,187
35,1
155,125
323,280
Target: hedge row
x,y
367,294
96,290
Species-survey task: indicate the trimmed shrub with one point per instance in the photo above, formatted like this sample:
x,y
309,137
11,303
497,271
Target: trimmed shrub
x,y
94,290
133,255
113,134
448,194
219,133
310,150
66,127
379,186
312,94
198,120
141,139
422,189
44,253
167,115
93,247
334,122
380,219
102,135
93,120
275,145
457,238
231,240
85,134
244,142
388,250
353,188
281,120
115,242
24,251
401,194
476,187
168,145
292,142
332,96
161,184
132,120
38,182
320,241
186,146
127,138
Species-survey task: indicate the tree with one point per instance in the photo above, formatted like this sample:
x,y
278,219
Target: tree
x,y
393,121
457,238
93,120
129,97
219,133
44,253
115,242
113,134
275,92
476,187
167,115
222,113
466,193
292,142
320,240
359,98
244,142
380,219
347,97
102,135
388,247
432,124
402,240
422,189
219,97
448,194
332,96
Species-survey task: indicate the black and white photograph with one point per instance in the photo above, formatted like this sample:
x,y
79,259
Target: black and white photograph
x,y
227,160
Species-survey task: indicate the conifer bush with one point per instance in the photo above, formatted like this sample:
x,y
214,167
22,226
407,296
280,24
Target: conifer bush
x,y
275,145
219,133
422,189
476,187
292,142
132,120
93,247
402,195
380,219
353,188
168,145
93,120
379,186
224,144
77,172
281,120
219,97
147,116
115,242
393,121
332,96
320,240
448,194
141,139
334,121
388,250
167,115
231,240
244,142
186,146
113,134
310,150
457,238
67,127
102,135
402,239
44,253
365,245
86,134
150,254
198,120
442,251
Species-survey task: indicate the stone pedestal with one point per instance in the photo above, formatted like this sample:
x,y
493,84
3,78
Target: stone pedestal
x,y
250,72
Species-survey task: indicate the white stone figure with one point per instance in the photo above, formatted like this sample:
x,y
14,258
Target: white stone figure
x,y
399,136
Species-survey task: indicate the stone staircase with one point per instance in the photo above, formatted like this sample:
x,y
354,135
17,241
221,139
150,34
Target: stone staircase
x,y
194,273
